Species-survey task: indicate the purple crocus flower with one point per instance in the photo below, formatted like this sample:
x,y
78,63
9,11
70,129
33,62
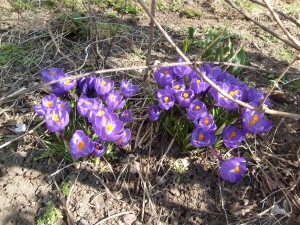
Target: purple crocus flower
x,y
153,113
128,89
254,122
85,104
80,145
114,100
181,71
103,86
98,113
196,110
99,149
165,100
185,98
176,87
126,116
64,105
87,85
51,74
69,84
63,87
233,169
48,102
56,120
232,136
39,109
212,72
126,135
109,127
201,138
206,123
164,76
256,97
223,101
198,86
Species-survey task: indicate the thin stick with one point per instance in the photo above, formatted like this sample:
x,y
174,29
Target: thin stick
x,y
263,26
277,19
113,216
54,41
21,136
292,19
216,87
277,81
151,28
40,86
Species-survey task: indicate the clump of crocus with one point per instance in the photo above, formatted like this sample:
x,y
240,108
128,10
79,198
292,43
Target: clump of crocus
x,y
214,117
99,107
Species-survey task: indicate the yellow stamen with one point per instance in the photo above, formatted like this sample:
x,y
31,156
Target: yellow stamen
x,y
177,86
236,169
67,81
113,98
198,107
55,118
81,145
101,113
200,137
233,134
109,127
103,83
166,99
198,81
185,95
50,104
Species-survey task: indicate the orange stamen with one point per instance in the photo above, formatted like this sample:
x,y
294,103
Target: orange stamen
x,y
81,145
198,107
233,134
236,169
200,137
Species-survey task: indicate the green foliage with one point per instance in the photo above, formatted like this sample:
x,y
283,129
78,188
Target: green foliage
x,y
11,52
124,6
66,189
295,86
77,24
217,46
178,126
192,13
176,5
51,215
284,53
22,4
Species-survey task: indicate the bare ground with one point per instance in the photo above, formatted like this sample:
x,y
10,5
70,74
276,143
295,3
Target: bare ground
x,y
142,179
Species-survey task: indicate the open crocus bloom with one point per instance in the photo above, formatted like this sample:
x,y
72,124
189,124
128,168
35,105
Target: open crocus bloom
x,y
233,169
80,145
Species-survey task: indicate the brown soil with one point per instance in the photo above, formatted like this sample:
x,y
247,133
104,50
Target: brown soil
x,y
142,179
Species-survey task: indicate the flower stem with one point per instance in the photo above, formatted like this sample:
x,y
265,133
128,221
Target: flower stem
x,y
62,135
216,154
